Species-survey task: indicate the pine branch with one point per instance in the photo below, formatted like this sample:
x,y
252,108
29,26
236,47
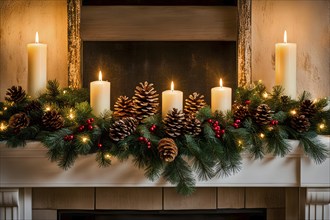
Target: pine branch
x,y
68,157
314,148
178,172
202,163
276,143
103,158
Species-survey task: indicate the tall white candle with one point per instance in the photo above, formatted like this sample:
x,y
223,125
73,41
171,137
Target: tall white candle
x,y
171,99
37,67
100,95
220,98
285,67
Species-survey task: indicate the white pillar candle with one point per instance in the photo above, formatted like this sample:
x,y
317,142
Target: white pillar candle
x,y
100,95
37,67
171,99
285,67
220,98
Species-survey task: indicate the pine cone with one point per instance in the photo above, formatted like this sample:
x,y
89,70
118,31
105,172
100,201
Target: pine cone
x,y
241,111
52,120
123,107
263,114
122,128
174,123
145,101
33,106
167,149
300,123
194,103
308,108
192,125
15,94
19,121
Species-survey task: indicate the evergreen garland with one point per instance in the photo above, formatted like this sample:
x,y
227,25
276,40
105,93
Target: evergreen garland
x,y
213,152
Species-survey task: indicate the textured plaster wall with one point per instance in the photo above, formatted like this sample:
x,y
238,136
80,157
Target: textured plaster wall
x,y
306,21
307,24
19,20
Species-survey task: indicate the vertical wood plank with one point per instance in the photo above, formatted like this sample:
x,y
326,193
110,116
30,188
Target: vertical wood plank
x,y
129,198
203,198
265,198
292,203
231,197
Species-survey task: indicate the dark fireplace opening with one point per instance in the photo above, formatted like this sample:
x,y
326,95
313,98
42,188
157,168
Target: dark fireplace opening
x,y
193,66
221,214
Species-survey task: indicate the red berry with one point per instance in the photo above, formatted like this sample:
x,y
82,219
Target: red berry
x,y
88,121
222,131
217,128
145,139
216,122
141,139
81,128
99,145
247,102
217,132
71,137
210,121
235,125
91,120
90,127
152,129
66,137
218,135
237,121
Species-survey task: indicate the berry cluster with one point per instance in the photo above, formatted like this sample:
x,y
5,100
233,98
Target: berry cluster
x,y
216,128
88,126
273,122
152,128
145,140
236,123
68,137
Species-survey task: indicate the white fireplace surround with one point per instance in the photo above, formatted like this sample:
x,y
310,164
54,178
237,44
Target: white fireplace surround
x,y
24,168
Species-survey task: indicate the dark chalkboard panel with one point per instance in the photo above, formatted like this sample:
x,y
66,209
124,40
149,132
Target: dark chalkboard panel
x,y
193,66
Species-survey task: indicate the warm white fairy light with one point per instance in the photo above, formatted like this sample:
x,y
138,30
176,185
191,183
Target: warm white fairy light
x,y
71,115
47,108
64,91
262,135
265,95
107,156
3,126
321,126
84,139
293,112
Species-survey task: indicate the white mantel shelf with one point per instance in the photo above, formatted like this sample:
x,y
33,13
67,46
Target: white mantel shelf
x,y
30,167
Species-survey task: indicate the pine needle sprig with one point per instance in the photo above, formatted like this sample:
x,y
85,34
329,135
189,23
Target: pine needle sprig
x,y
180,174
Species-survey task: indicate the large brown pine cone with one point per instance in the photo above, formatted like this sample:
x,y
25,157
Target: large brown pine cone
x,y
300,123
145,101
307,108
194,103
15,94
192,125
52,120
19,121
174,123
263,115
167,149
123,107
122,128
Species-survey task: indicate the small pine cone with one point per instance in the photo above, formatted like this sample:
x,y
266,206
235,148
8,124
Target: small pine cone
x,y
174,123
33,106
192,125
145,100
241,111
300,123
167,149
123,107
122,128
52,120
308,108
263,115
194,103
19,121
285,99
15,94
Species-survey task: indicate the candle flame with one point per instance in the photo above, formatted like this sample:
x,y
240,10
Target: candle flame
x,y
100,76
172,86
285,37
220,82
37,37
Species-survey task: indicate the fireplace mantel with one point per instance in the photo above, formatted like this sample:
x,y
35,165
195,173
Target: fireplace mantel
x,y
30,167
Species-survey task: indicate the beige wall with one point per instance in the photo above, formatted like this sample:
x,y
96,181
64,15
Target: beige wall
x,y
307,23
19,20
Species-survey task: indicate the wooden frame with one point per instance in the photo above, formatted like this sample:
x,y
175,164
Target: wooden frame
x,y
225,24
